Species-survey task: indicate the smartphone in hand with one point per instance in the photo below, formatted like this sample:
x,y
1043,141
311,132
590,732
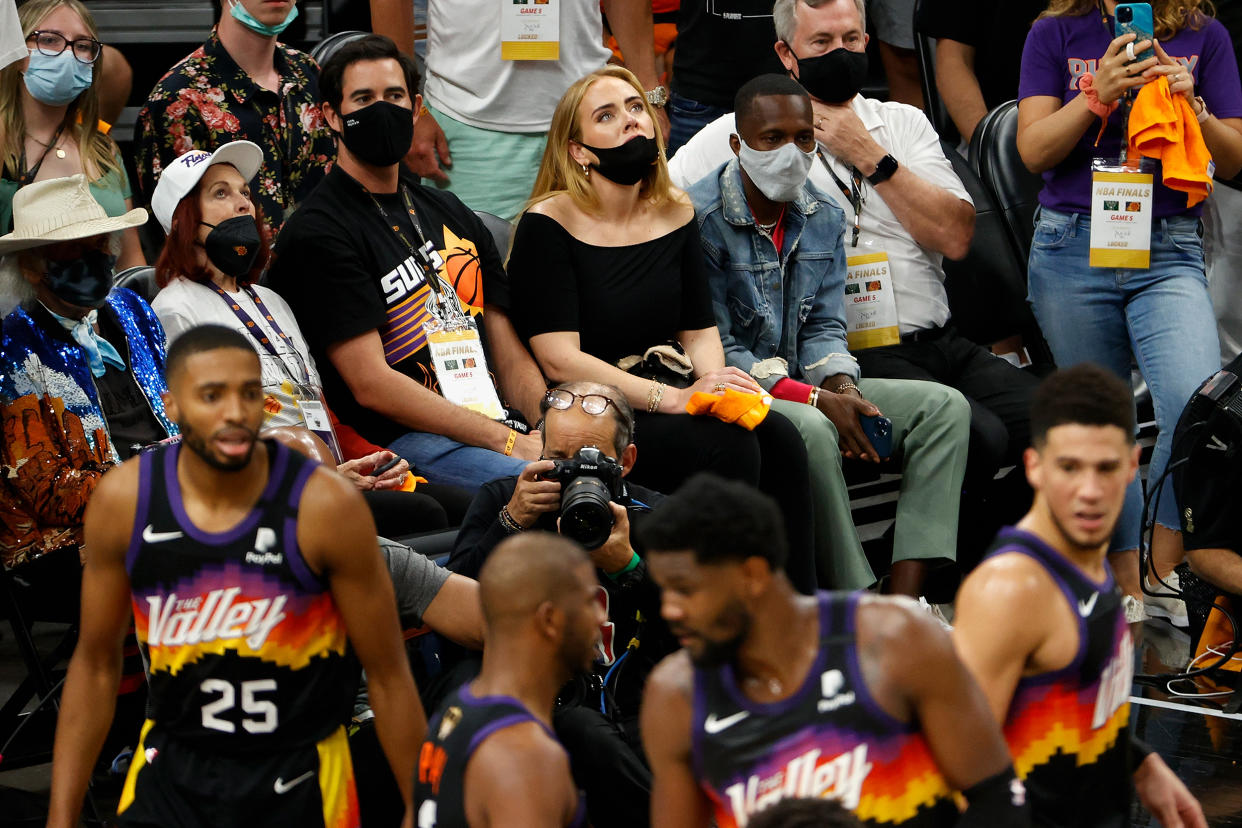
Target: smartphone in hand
x,y
879,431
396,458
1136,19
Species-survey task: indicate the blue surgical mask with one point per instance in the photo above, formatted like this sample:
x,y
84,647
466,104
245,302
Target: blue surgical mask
x,y
248,20
56,80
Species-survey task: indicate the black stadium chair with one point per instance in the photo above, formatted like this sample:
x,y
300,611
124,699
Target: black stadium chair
x,y
1014,188
328,46
140,280
501,230
987,289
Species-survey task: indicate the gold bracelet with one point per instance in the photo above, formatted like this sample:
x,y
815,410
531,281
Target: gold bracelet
x,y
510,443
654,395
813,400
845,386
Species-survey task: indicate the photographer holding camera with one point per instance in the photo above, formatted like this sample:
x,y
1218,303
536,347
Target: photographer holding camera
x,y
578,488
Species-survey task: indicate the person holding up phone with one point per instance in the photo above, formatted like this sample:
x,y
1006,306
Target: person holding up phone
x,y
776,264
1109,283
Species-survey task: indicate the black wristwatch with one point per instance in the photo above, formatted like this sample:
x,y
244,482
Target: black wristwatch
x,y
883,171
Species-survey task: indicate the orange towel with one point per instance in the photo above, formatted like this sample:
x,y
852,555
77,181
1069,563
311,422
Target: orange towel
x,y
746,410
1163,126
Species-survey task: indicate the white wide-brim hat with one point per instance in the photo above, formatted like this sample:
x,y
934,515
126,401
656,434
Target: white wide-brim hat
x,y
183,174
61,209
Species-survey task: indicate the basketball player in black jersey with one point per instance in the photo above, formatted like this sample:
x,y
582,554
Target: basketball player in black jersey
x,y
778,695
247,566
491,757
1041,626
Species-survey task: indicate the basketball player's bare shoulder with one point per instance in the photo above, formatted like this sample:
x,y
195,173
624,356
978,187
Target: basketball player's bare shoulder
x,y
1008,593
674,674
109,518
333,520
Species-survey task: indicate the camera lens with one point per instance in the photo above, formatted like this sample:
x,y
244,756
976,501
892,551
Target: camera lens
x,y
586,516
1125,15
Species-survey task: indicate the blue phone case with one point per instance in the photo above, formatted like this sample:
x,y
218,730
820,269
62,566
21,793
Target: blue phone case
x,y
879,431
1140,24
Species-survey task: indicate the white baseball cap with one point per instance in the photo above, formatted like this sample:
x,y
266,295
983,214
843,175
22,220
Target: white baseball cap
x,y
183,174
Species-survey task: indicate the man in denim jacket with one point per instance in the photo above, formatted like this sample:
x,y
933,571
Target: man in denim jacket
x,y
776,263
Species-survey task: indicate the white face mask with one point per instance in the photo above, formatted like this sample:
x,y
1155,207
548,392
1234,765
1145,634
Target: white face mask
x,y
778,173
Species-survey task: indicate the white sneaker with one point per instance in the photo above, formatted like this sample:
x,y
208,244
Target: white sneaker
x,y
1166,603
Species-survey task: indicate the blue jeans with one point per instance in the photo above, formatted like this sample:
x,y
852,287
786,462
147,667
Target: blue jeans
x,y
1162,317
685,118
444,460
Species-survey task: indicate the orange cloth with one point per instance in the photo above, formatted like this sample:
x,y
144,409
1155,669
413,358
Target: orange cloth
x,y
1163,126
746,410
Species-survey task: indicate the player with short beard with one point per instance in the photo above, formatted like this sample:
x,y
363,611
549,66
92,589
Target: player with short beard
x,y
249,567
779,695
1040,621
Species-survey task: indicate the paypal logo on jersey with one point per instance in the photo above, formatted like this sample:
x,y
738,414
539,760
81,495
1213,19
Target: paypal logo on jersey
x,y
831,683
264,539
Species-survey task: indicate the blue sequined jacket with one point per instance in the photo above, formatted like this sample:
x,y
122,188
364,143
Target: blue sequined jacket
x,y
35,360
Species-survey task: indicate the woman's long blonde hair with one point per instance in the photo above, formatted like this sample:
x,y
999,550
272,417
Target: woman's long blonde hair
x,y
1168,16
557,171
99,153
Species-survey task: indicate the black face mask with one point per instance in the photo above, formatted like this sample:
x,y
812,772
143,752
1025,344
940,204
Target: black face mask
x,y
628,163
84,282
833,77
379,134
232,245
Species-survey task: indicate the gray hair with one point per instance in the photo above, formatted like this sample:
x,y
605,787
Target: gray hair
x,y
14,289
623,412
785,18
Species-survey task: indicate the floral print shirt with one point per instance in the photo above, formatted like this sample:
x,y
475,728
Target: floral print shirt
x,y
206,100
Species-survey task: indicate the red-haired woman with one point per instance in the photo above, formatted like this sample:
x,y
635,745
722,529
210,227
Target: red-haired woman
x,y
208,274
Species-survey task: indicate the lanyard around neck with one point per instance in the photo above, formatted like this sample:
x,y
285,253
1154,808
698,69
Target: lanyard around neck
x,y
854,193
251,327
443,303
396,228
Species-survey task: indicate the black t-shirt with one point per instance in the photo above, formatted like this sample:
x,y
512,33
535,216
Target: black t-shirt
x,y
131,422
997,30
619,300
481,531
344,271
721,45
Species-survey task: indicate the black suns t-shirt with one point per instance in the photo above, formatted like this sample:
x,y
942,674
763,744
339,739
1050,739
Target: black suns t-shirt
x,y
344,271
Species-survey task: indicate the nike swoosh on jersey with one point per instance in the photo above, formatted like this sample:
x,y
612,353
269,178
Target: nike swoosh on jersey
x,y
1085,607
713,725
281,786
151,536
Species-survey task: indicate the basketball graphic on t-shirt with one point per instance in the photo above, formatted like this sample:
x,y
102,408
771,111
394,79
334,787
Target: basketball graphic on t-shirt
x,y
463,271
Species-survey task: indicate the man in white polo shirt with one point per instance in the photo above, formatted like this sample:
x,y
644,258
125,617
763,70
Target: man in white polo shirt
x,y
905,211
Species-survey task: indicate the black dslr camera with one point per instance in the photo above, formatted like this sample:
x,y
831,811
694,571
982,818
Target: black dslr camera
x,y
590,481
